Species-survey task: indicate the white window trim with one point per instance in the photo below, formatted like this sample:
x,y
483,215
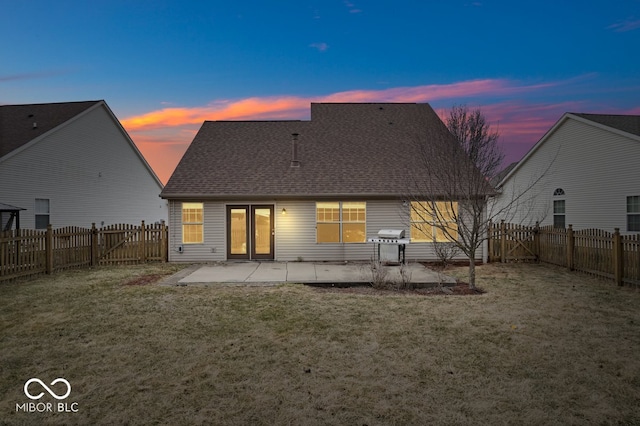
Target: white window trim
x,y
629,214
341,222
182,224
433,223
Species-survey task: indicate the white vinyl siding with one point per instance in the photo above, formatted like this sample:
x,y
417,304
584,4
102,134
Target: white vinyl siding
x,y
213,246
597,169
88,170
295,233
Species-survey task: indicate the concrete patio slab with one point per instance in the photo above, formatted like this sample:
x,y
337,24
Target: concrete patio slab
x,y
314,273
269,272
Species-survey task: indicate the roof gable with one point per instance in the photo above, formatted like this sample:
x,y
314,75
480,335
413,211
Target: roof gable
x,y
20,124
344,150
627,125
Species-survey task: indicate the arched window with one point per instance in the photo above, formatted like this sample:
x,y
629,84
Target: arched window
x,y
558,191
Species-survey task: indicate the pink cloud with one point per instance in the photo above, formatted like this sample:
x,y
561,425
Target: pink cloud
x,y
294,107
629,24
163,135
322,47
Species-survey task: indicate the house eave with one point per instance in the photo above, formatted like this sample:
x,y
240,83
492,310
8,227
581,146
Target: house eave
x,y
249,196
293,197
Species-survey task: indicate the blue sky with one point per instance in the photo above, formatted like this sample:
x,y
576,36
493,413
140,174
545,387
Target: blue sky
x,y
165,66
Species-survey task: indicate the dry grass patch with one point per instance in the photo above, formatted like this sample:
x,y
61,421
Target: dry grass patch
x,y
542,346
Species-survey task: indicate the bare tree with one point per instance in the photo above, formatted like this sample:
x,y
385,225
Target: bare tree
x,y
448,200
477,139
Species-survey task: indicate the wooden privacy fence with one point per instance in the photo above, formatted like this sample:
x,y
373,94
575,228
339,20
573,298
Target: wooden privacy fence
x,y
594,251
26,252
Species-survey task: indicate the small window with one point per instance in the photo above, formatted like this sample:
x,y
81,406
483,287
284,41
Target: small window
x,y
341,222
424,217
633,213
559,214
192,223
42,213
558,191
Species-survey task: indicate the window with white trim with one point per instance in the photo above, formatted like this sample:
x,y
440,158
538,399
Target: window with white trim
x,y
42,213
192,223
559,214
341,221
633,213
429,220
559,206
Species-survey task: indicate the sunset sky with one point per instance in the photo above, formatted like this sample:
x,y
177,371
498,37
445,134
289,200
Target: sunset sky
x,y
166,66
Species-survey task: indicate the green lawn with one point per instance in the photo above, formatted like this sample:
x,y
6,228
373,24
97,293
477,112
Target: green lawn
x,y
541,346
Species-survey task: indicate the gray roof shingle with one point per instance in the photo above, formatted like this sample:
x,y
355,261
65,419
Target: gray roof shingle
x,y
17,121
626,123
366,150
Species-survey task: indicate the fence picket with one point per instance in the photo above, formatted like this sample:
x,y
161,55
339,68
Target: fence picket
x,y
593,251
25,252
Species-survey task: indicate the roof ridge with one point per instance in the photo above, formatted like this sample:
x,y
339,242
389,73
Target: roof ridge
x,y
604,114
51,103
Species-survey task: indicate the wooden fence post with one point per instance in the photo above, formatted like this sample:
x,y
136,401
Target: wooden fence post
x,y
94,245
490,241
503,242
48,248
570,247
618,257
536,241
143,243
164,239
17,250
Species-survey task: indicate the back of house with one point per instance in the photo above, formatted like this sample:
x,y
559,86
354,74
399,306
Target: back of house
x,y
303,190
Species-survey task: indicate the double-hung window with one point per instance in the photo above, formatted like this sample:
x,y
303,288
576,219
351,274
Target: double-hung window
x,y
559,214
559,218
42,213
341,222
192,223
633,213
434,221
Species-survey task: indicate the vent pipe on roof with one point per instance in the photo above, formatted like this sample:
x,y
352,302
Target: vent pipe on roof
x,y
294,150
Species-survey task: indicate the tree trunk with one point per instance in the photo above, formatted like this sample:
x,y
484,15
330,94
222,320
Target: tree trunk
x,y
472,272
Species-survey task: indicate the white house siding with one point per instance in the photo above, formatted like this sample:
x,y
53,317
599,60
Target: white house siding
x,y
596,167
213,248
90,173
295,233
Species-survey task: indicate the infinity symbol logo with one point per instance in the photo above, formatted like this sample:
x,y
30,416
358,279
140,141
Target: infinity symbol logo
x,y
52,393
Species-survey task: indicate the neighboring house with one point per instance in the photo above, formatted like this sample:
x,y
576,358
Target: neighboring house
x,y
72,164
585,171
303,190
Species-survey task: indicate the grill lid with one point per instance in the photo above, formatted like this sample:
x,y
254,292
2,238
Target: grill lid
x,y
391,233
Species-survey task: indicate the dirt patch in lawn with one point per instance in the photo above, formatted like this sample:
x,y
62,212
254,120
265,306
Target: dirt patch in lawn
x,y
145,279
460,289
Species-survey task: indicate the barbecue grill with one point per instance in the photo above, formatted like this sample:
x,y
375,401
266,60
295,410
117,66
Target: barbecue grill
x,y
391,245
